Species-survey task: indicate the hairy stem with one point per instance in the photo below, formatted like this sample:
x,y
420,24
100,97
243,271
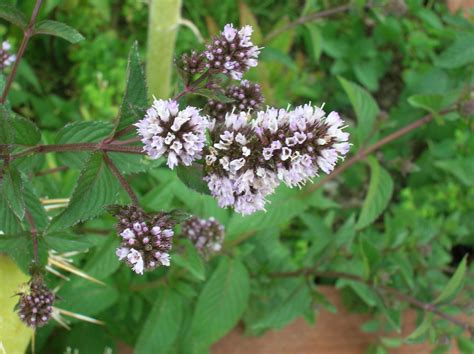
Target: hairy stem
x,y
28,32
121,179
399,295
34,234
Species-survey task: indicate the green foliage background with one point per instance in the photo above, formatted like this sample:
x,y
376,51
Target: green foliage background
x,y
404,219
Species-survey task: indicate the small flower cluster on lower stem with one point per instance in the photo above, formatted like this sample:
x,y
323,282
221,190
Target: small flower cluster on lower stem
x,y
145,241
35,306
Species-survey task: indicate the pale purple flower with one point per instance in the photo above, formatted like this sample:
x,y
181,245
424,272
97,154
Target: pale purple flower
x,y
232,52
6,58
167,131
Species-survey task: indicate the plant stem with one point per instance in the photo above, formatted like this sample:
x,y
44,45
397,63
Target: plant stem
x,y
363,153
399,295
78,147
121,179
28,32
34,234
310,18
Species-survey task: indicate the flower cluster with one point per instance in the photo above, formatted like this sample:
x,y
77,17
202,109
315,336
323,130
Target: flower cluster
x,y
248,158
6,59
35,306
207,235
246,97
167,131
235,172
193,63
145,242
232,52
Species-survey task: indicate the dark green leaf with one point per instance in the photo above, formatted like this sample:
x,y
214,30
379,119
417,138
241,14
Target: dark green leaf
x,y
135,98
26,132
96,188
162,326
6,131
63,242
58,29
13,15
462,168
378,195
12,186
192,177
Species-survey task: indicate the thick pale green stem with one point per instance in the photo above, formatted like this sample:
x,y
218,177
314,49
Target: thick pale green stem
x,y
163,24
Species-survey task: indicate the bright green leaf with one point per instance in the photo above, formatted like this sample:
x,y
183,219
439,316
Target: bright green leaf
x,y
364,105
221,302
459,54
26,132
424,326
431,103
191,261
455,283
378,196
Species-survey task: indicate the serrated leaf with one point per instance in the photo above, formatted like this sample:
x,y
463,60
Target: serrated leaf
x,y
364,105
378,196
455,283
459,54
192,177
191,261
6,131
20,248
221,302
58,29
12,187
13,15
163,324
64,242
95,188
135,98
431,103
9,223
26,132
33,203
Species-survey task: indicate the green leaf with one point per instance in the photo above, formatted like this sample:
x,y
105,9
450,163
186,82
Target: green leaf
x,y
64,242
424,326
465,345
364,105
81,132
455,283
20,248
26,132
378,196
163,324
222,302
6,131
33,203
214,95
192,177
12,186
96,188
431,103
58,29
316,40
135,98
104,262
13,15
461,168
459,54
191,261
9,223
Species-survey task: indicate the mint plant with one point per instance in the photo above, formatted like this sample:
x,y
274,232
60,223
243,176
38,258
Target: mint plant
x,y
206,208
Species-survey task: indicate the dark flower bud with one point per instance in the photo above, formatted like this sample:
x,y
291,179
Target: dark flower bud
x,y
207,235
35,306
193,63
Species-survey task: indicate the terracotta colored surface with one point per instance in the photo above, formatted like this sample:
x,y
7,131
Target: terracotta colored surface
x,y
455,5
333,334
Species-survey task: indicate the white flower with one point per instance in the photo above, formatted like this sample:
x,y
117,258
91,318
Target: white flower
x,y
182,140
122,252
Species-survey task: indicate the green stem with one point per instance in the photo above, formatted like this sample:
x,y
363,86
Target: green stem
x,y
163,24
